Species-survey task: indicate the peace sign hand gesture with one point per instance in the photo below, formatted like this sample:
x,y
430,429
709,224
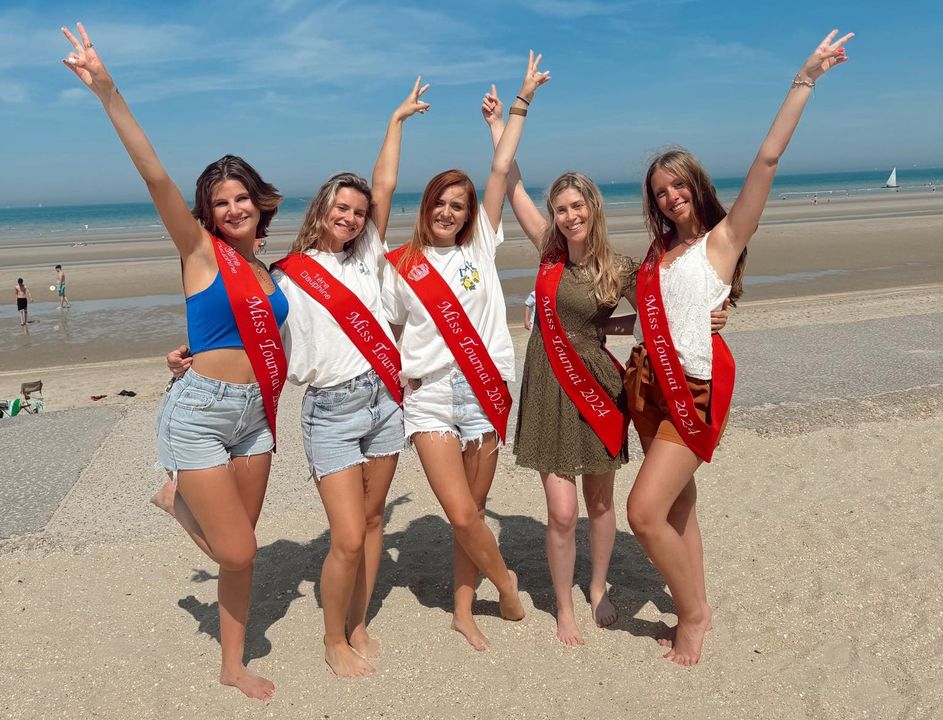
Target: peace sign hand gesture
x,y
412,104
492,109
826,56
533,78
86,64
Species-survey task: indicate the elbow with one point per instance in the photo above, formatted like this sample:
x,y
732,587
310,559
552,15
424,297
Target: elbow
x,y
768,159
500,167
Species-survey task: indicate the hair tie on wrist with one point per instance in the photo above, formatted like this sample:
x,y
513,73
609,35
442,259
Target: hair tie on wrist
x,y
526,102
518,111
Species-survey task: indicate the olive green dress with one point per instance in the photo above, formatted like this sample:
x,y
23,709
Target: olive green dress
x,y
551,435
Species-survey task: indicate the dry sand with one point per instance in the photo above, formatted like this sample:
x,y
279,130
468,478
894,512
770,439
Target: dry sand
x,y
821,521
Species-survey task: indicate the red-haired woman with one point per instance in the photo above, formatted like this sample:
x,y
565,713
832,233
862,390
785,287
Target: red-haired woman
x,y
215,431
679,379
457,356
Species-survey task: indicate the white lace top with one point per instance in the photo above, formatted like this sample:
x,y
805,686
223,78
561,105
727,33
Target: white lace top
x,y
691,288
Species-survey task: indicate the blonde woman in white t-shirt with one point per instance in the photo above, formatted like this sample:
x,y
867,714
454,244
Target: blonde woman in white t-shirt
x,y
351,424
456,442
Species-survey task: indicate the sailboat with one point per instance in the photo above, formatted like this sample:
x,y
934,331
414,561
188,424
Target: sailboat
x,y
892,180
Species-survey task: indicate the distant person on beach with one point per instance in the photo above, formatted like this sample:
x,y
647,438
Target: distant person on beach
x,y
530,308
60,287
579,284
457,356
216,426
680,377
23,298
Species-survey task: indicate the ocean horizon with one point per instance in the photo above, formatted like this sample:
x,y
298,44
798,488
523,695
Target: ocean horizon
x,y
50,223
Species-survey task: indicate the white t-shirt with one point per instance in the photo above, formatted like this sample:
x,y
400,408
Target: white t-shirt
x,y
319,352
531,304
470,272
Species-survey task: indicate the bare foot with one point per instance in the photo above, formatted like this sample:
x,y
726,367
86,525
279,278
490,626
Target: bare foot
x,y
164,498
689,638
467,627
666,638
364,645
345,662
604,612
568,632
251,685
510,602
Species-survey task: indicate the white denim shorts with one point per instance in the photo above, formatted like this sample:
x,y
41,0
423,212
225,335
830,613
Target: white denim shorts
x,y
444,402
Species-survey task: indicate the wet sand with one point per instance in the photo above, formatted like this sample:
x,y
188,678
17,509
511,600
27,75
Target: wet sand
x,y
849,244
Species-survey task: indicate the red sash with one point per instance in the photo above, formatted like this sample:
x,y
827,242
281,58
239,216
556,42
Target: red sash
x,y
349,312
257,327
460,336
699,436
592,401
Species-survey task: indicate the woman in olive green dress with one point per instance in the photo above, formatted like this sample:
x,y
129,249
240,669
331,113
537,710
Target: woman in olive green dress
x,y
552,437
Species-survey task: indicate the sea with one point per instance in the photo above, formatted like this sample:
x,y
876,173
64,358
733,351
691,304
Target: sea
x,y
54,223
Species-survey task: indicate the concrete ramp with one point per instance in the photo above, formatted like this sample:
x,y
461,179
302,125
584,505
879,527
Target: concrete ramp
x,y
43,455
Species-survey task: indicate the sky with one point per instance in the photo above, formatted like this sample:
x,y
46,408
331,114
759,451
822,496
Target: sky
x,y
305,89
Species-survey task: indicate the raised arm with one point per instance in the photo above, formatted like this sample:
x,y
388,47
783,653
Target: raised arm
x,y
507,146
733,233
88,67
383,182
528,215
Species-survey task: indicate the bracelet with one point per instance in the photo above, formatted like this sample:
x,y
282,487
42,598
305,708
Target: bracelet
x,y
518,111
799,82
526,102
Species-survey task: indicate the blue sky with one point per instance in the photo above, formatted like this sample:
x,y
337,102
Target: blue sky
x,y
304,89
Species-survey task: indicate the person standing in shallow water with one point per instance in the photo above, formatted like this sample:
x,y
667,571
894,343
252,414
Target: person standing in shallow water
x,y
23,298
60,288
215,428
696,260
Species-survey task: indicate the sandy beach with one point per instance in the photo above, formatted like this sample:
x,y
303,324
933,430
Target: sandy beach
x,y
820,514
127,301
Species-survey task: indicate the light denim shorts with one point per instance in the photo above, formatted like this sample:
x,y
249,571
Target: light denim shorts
x,y
444,402
203,423
344,425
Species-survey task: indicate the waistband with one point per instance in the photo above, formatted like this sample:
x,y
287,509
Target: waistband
x,y
367,376
219,388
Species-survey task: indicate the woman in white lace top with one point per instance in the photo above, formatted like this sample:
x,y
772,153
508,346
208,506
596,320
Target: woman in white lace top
x,y
699,252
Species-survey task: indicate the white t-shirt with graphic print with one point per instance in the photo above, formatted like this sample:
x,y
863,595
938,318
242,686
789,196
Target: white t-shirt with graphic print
x,y
470,273
319,352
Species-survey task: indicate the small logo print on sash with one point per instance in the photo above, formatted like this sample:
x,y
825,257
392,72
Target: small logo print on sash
x,y
418,272
470,276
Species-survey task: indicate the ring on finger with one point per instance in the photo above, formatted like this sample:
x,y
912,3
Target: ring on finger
x,y
89,45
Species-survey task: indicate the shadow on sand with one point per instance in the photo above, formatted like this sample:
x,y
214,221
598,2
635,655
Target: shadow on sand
x,y
423,564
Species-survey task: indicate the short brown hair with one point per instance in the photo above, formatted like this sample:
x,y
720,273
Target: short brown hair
x,y
230,167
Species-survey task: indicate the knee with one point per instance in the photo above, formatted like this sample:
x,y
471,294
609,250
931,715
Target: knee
x,y
374,523
347,546
239,556
643,520
597,507
466,519
562,519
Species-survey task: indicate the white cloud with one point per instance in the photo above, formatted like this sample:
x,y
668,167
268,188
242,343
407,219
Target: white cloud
x,y
13,93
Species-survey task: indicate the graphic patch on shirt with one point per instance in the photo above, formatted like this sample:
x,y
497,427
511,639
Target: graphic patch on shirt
x,y
469,275
362,268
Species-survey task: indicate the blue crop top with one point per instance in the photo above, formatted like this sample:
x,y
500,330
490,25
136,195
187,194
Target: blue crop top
x,y
210,322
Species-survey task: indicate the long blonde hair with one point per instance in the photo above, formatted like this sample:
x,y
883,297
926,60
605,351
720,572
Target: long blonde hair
x,y
314,228
708,210
600,257
422,233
